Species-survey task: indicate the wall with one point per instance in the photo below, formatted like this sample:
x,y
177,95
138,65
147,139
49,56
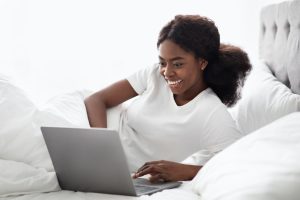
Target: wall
x,y
51,47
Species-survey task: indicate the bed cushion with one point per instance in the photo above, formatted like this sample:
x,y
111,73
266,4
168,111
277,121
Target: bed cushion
x,y
264,99
68,110
25,162
19,140
20,136
263,165
64,110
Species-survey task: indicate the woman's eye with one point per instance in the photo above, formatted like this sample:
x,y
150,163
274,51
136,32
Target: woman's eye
x,y
162,64
177,64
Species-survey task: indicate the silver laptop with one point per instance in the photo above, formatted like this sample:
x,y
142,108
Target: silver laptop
x,y
93,160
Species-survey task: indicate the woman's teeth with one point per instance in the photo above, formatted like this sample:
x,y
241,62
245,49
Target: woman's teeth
x,y
174,82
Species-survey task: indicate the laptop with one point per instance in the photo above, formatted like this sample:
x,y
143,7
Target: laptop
x,y
93,160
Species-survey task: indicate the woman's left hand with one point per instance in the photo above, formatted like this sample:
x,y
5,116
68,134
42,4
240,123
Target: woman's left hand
x,y
167,171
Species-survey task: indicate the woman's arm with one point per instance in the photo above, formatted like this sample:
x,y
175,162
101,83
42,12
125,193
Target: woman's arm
x,y
97,104
167,171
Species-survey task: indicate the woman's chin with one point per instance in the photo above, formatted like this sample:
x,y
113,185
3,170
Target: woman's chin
x,y
176,92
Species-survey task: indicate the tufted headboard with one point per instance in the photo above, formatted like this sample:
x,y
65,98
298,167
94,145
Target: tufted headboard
x,y
280,41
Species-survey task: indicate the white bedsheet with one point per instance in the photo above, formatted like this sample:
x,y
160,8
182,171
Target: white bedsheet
x,y
183,192
21,181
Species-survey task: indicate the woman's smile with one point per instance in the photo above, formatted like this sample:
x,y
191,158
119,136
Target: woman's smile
x,y
175,85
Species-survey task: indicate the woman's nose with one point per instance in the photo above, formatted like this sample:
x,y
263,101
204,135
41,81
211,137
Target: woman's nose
x,y
168,71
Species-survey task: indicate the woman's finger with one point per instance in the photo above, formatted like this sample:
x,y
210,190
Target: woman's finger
x,y
157,178
152,169
147,164
139,172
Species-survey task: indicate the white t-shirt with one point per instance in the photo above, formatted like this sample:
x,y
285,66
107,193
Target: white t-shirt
x,y
154,127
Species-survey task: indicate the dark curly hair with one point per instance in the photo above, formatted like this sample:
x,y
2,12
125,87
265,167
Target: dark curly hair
x,y
227,66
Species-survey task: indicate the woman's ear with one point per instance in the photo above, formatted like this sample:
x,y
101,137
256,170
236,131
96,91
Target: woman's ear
x,y
203,63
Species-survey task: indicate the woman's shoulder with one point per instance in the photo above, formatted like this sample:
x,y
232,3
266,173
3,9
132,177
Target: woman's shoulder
x,y
154,70
154,76
211,102
150,72
210,97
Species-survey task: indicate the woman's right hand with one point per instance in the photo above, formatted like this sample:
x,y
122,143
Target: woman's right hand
x,y
167,171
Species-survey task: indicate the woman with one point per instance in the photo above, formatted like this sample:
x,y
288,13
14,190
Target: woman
x,y
181,105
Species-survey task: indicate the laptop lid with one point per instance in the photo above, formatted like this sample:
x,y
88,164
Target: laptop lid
x,y
89,160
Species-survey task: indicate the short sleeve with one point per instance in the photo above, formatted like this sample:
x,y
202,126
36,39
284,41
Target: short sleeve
x,y
140,80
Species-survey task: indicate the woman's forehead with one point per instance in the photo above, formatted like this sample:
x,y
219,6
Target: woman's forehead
x,y
169,50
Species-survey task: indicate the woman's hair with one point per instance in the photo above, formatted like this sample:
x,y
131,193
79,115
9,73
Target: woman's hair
x,y
227,66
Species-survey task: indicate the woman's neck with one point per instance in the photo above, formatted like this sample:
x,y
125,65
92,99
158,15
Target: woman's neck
x,y
189,95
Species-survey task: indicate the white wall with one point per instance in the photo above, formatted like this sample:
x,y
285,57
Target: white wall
x,y
55,46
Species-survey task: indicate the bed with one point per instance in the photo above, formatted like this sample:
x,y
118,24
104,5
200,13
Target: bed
x,y
262,165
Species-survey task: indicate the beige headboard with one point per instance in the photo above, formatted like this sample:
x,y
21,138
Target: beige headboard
x,y
280,41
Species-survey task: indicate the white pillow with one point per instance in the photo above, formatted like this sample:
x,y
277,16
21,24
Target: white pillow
x,y
264,99
23,153
64,110
263,165
19,140
20,136
68,110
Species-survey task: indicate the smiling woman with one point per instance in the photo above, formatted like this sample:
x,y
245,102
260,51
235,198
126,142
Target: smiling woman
x,y
180,106
183,73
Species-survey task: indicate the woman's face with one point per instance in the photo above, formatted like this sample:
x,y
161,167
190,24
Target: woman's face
x,y
181,70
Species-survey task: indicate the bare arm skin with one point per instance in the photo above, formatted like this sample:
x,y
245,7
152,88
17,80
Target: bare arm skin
x,y
113,95
167,171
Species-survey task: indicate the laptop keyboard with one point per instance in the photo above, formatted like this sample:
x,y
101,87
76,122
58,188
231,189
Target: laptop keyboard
x,y
144,185
146,182
142,189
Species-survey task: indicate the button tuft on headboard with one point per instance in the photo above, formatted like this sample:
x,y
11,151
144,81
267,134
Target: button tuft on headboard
x,y
287,28
263,29
280,44
274,29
